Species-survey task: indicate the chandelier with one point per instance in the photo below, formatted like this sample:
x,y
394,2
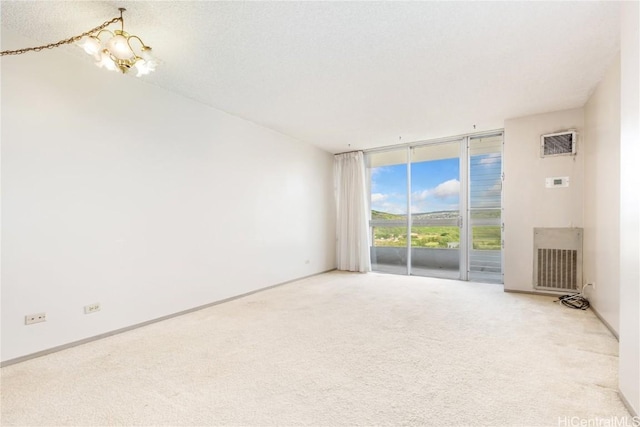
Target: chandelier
x,y
114,50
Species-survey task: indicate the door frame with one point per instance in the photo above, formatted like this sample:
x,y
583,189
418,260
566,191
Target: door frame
x,y
464,195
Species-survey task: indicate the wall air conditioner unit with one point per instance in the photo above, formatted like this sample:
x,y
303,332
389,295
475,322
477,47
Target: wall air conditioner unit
x,y
558,144
557,259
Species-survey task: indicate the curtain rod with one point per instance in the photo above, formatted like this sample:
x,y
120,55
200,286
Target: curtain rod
x,y
488,133
347,152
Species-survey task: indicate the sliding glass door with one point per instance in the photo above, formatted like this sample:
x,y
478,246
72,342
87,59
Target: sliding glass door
x,y
389,206
436,209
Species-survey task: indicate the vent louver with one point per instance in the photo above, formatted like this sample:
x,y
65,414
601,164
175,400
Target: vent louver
x,y
557,269
558,144
557,259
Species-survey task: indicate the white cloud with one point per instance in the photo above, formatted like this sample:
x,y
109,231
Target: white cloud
x,y
497,186
438,198
447,189
391,203
378,197
441,191
490,159
420,195
378,170
391,208
394,208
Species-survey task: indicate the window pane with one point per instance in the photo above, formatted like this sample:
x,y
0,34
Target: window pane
x,y
435,210
388,224
485,201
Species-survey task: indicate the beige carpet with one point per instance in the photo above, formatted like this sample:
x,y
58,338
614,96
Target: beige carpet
x,y
331,350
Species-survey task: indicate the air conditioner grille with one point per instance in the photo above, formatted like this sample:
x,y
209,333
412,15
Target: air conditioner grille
x,y
558,144
558,269
557,259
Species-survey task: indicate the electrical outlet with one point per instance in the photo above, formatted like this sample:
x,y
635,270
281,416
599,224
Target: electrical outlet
x,y
91,308
593,284
30,319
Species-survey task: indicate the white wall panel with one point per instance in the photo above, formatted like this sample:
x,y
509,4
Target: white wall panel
x,y
602,197
119,192
527,201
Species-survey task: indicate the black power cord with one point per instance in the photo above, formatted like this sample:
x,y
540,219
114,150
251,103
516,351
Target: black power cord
x,y
576,301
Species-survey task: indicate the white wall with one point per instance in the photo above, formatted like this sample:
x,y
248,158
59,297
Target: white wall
x,y
630,205
602,197
116,191
528,203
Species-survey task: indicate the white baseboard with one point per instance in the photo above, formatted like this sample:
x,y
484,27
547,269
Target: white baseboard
x,y
148,322
551,294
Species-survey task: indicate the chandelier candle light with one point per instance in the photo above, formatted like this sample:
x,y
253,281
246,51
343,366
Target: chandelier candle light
x,y
111,50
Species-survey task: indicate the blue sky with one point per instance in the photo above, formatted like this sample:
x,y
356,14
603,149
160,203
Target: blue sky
x,y
435,185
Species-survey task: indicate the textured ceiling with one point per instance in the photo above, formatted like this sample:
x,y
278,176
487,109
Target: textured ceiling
x,y
355,75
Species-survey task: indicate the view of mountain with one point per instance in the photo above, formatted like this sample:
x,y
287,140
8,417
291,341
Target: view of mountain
x,y
436,236
487,213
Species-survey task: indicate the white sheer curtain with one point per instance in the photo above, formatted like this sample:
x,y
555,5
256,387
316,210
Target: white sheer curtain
x,y
352,228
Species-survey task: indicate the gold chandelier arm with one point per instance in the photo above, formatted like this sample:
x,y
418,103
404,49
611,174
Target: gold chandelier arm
x,y
104,31
141,42
62,42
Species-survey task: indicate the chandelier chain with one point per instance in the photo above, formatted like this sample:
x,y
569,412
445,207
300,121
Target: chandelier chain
x,y
62,42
